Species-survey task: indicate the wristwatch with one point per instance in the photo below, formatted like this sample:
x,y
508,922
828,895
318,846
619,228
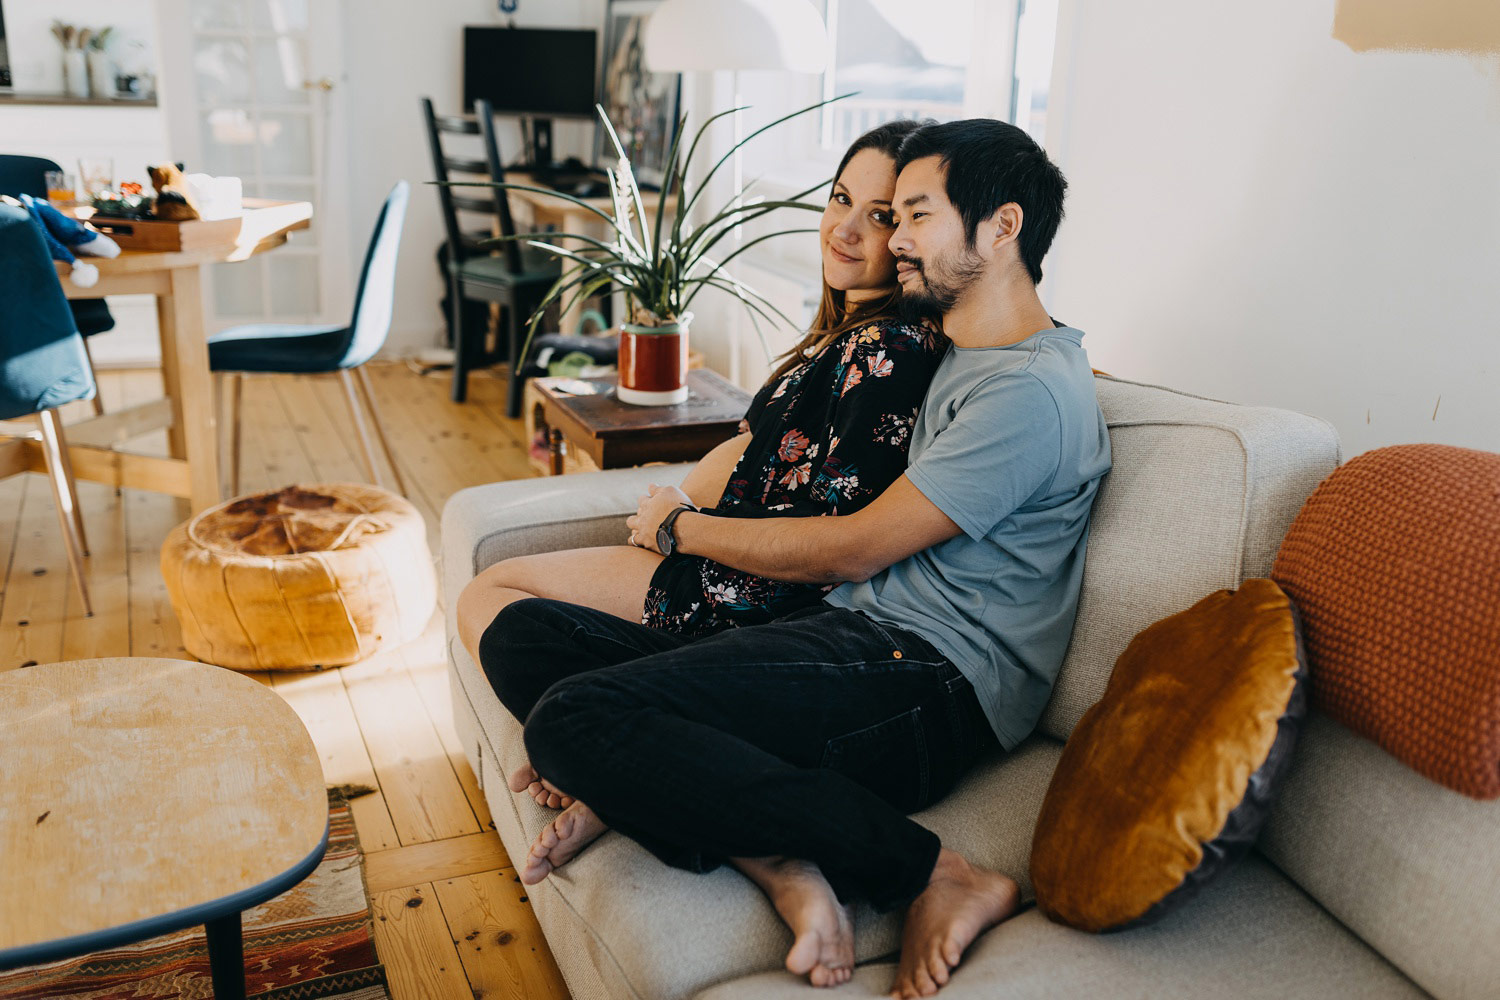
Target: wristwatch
x,y
666,538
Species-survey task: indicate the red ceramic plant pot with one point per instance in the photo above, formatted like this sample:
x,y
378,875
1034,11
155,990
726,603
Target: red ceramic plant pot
x,y
653,364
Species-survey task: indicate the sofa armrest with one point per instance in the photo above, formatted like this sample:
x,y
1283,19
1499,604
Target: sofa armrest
x,y
485,524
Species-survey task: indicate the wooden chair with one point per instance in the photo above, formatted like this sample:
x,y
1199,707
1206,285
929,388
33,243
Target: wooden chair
x,y
42,366
513,277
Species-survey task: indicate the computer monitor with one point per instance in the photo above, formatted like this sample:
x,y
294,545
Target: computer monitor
x,y
541,72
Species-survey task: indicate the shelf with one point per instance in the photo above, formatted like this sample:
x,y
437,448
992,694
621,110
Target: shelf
x,y
8,98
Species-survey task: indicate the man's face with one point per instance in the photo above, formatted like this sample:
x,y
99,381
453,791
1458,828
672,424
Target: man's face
x,y
934,262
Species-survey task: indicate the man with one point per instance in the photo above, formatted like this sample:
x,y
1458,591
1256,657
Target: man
x,y
795,749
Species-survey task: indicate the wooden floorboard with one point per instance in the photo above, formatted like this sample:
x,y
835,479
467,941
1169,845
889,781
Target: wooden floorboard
x,y
417,946
36,591
499,944
408,866
451,919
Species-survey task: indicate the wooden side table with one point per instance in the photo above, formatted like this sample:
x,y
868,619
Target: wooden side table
x,y
147,795
616,434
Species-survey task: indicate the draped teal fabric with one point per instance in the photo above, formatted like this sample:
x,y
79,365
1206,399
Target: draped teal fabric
x,y
42,361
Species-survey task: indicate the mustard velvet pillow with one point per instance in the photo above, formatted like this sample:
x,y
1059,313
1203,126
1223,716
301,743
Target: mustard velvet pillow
x,y
1168,779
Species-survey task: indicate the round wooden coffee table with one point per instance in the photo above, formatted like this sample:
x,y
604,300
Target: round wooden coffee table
x,y
142,796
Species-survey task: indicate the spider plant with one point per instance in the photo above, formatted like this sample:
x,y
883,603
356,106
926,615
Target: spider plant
x,y
661,267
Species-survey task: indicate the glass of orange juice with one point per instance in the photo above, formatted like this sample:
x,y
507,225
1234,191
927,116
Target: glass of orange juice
x,y
61,190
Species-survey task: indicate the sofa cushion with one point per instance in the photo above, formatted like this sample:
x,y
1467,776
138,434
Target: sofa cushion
x,y
484,524
1200,496
1168,779
1408,865
1394,562
1255,936
622,924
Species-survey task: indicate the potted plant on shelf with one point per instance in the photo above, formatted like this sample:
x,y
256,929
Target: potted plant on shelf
x,y
661,267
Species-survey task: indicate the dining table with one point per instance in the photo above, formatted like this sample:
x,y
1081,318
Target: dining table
x,y
187,410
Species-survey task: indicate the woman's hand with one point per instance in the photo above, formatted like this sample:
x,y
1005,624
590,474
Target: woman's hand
x,y
651,510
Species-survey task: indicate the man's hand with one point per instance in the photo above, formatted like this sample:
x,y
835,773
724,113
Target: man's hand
x,y
651,510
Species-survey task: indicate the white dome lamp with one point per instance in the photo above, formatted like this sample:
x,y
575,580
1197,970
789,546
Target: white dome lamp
x,y
705,36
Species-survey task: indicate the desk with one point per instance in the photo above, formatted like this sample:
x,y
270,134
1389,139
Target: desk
x,y
616,434
148,795
188,411
568,217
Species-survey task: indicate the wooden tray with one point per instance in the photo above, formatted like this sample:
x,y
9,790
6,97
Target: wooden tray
x,y
153,234
197,234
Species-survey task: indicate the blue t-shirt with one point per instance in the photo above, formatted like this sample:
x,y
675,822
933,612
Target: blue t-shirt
x,y
1011,445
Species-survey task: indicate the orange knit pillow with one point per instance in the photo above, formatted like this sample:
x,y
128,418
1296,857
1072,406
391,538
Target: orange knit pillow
x,y
1394,563
1168,779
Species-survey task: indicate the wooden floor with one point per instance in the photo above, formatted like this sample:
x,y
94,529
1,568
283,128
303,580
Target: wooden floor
x,y
451,919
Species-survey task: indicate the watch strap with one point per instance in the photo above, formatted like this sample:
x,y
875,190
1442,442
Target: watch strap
x,y
670,520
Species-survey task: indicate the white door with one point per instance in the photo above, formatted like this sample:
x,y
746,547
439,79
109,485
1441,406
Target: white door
x,y
254,89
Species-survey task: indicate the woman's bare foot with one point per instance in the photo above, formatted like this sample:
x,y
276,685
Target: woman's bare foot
x,y
961,902
560,841
525,779
824,946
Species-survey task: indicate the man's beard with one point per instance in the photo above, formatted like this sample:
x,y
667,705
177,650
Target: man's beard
x,y
943,283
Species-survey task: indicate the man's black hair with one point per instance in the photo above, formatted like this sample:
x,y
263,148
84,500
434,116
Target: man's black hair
x,y
990,163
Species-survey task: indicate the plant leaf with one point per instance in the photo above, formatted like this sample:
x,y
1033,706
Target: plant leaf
x,y
716,268
508,186
703,184
635,189
673,174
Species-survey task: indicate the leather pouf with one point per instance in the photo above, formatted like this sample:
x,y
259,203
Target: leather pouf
x,y
305,576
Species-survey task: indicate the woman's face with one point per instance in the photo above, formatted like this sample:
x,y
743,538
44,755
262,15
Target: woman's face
x,y
857,227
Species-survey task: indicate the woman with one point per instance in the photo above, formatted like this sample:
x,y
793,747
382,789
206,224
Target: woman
x,y
826,434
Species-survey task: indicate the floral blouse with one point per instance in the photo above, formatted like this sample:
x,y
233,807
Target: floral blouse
x,y
827,438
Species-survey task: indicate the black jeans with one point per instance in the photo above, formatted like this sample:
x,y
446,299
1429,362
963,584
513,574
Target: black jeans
x,y
811,736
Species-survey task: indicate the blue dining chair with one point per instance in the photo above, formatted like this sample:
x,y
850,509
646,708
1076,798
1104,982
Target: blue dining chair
x,y
28,175
42,365
288,349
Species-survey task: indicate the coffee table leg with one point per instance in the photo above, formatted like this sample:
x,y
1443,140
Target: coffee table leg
x,y
555,451
226,957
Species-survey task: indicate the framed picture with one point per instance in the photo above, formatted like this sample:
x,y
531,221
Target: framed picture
x,y
4,58
642,106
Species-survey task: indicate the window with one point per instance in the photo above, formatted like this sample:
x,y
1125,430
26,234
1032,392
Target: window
x,y
941,59
904,60
1036,38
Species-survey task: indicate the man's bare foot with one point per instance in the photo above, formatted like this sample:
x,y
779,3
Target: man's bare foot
x,y
961,902
823,949
575,828
525,779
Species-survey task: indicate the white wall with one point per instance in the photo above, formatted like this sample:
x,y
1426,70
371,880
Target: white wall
x,y
36,57
1259,214
393,57
134,136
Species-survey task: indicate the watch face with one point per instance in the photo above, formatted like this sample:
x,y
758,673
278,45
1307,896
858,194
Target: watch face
x,y
664,541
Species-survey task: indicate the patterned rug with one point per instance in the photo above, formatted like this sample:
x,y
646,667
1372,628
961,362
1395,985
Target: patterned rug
x,y
314,941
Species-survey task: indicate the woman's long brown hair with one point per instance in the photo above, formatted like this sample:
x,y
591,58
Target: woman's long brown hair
x,y
834,318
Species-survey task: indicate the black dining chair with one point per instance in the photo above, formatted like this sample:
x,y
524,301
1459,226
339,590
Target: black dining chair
x,y
288,349
28,175
513,277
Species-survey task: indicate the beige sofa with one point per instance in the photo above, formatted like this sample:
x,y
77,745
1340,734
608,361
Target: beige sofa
x,y
1370,881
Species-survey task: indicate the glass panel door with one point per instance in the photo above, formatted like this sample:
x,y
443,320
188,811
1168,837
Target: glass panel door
x,y
257,95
